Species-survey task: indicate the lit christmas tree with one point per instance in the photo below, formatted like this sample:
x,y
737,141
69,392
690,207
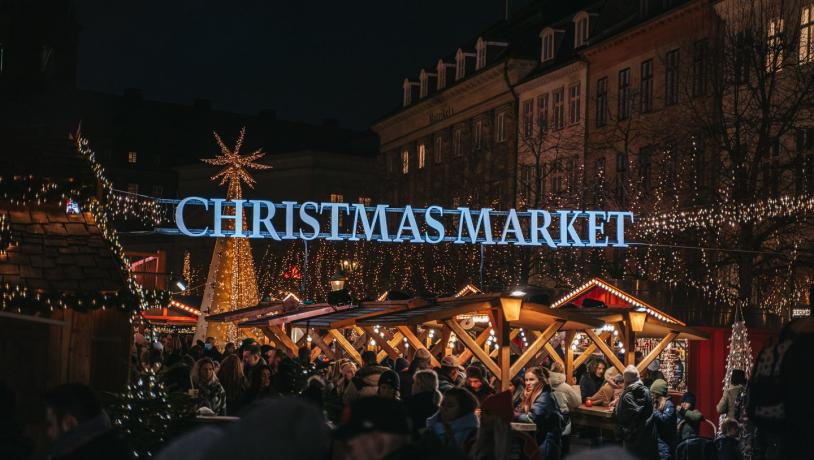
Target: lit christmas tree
x,y
740,353
232,281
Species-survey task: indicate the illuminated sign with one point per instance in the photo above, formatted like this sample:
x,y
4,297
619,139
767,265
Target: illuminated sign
x,y
289,220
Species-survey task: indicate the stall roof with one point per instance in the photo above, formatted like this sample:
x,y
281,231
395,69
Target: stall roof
x,y
302,313
653,327
350,316
242,314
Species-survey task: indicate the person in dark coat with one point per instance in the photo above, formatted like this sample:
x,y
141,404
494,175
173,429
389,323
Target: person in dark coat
x,y
449,375
421,361
727,446
634,417
592,380
78,427
689,417
476,383
664,413
424,401
542,409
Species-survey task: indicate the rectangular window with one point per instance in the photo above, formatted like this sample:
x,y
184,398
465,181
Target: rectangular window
x,y
581,37
478,137
480,61
548,46
422,154
132,188
556,177
646,90
132,157
774,45
558,115
456,142
805,150
699,68
671,78
337,198
621,177
442,77
365,200
624,94
645,162
599,182
525,182
405,161
460,67
601,102
528,118
570,174
542,113
500,127
438,153
573,104
806,37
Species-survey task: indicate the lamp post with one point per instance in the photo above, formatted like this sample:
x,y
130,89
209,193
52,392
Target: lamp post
x,y
348,265
338,280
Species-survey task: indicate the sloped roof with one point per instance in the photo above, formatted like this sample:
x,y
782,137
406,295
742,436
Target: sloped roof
x,y
57,251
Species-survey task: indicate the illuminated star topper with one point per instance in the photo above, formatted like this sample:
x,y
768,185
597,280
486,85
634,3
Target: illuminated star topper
x,y
236,165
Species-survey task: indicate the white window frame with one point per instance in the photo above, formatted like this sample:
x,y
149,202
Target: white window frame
x,y
574,116
407,96
132,157
423,88
405,161
365,200
500,127
558,108
422,155
480,51
774,44
460,65
337,198
547,41
527,107
806,34
581,22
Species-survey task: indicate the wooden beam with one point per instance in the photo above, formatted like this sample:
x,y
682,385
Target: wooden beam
x,y
472,346
347,346
323,344
603,347
535,347
282,338
467,354
586,355
629,342
382,342
394,342
569,356
441,346
503,334
553,353
656,350
416,343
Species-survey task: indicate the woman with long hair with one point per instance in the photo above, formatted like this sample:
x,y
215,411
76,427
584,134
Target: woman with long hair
x,y
260,386
210,392
231,377
540,407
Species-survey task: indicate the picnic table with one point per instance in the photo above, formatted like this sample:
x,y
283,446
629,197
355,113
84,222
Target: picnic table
x,y
594,417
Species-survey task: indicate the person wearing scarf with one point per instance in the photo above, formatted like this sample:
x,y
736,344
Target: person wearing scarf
x,y
210,392
455,424
540,408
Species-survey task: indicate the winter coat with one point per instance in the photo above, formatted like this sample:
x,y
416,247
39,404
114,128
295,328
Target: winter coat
x,y
93,439
666,427
566,396
445,383
635,423
730,402
545,414
422,406
606,394
589,385
364,383
212,395
484,392
692,419
460,433
406,383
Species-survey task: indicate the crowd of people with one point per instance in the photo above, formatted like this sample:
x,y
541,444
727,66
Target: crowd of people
x,y
289,407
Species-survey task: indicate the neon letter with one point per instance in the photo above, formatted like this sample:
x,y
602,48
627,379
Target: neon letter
x,y
379,215
483,220
513,222
567,228
409,217
237,217
309,220
594,226
179,215
620,226
289,220
334,207
257,208
537,230
435,224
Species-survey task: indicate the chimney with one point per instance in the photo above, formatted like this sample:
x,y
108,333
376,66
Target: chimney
x,y
202,104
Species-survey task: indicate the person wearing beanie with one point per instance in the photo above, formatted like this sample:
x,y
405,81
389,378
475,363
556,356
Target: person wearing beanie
x,y
633,414
389,385
366,380
664,413
477,384
652,373
732,399
496,439
424,401
689,418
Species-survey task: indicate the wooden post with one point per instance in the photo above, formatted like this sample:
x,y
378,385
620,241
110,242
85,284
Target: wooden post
x,y
472,346
441,346
347,346
467,353
629,340
569,356
533,348
416,343
503,332
588,352
603,347
656,350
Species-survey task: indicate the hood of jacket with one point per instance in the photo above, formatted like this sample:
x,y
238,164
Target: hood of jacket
x,y
556,379
640,393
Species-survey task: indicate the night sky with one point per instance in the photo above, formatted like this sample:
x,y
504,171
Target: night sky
x,y
306,60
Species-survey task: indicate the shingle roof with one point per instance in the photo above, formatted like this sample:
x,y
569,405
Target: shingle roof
x,y
57,251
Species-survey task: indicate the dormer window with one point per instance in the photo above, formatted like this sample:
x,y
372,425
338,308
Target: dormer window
x,y
580,29
441,71
460,65
423,81
480,52
547,37
408,97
